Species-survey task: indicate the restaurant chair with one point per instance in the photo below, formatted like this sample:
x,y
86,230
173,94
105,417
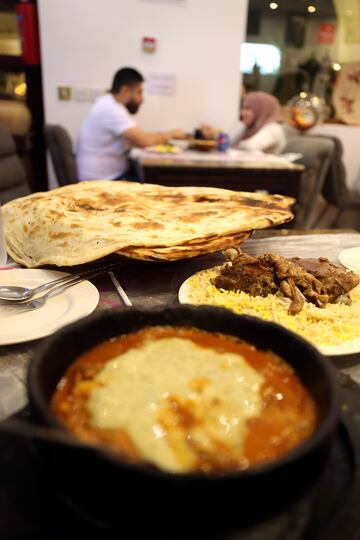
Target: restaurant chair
x,y
60,146
13,181
335,190
317,153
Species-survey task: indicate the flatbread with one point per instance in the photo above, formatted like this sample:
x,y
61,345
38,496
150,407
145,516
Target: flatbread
x,y
175,253
83,222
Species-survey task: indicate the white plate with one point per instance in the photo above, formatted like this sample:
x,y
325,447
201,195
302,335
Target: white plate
x,y
348,347
350,258
73,304
184,293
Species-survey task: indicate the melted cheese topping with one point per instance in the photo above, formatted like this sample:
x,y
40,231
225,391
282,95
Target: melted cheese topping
x,y
176,399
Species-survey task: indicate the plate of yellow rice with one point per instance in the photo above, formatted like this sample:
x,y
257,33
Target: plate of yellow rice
x,y
334,330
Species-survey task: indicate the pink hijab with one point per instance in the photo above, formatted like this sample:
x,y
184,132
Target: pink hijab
x,y
266,108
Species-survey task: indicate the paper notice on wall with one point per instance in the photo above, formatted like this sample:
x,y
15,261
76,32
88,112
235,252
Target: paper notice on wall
x,y
161,84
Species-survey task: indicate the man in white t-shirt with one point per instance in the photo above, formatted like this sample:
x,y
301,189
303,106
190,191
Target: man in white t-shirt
x,y
109,131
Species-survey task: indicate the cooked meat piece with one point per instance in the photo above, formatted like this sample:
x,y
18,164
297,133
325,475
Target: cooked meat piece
x,y
311,287
334,279
317,280
343,299
291,291
248,274
231,254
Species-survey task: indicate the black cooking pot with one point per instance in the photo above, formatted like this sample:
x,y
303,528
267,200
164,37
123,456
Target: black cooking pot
x,y
114,491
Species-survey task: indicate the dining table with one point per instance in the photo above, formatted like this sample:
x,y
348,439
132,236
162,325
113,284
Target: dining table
x,y
30,506
233,169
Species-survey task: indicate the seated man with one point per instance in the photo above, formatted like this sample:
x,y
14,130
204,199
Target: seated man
x,y
109,131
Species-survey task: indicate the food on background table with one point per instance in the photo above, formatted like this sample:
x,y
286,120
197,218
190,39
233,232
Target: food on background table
x,y
334,324
316,280
203,144
185,400
83,222
164,149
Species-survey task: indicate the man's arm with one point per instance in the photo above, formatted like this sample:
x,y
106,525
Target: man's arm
x,y
140,138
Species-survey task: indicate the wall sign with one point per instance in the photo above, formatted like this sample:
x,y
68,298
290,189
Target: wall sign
x,y
326,33
149,44
162,84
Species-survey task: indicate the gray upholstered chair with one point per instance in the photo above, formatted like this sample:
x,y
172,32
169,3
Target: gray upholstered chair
x,y
60,146
335,191
13,181
317,153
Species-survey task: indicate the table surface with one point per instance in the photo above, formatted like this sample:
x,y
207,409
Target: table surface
x,y
157,284
235,170
232,159
27,509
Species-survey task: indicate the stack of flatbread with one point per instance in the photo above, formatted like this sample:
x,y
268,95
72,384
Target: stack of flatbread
x,y
83,222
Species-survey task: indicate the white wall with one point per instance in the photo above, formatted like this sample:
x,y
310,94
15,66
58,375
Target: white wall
x,y
83,42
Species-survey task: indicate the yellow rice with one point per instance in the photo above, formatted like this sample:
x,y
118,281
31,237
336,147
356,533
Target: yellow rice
x,y
333,325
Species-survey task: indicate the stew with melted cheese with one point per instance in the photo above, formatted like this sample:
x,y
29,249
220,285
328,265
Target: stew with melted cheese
x,y
185,400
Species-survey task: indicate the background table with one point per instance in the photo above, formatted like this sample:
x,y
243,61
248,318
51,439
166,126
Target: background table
x,y
237,170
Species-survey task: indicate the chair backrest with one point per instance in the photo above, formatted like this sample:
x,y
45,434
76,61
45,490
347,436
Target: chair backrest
x,y
317,154
13,181
335,190
59,144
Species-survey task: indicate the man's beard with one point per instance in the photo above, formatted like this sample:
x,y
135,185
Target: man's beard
x,y
132,107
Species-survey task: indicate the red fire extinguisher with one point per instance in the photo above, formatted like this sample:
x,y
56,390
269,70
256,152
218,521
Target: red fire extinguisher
x,y
29,33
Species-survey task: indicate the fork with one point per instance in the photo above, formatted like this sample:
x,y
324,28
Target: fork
x,y
36,303
11,293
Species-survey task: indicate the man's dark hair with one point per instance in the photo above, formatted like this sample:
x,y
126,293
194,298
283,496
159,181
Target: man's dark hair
x,y
125,77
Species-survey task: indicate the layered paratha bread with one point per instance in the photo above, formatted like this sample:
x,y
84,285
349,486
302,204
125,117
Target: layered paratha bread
x,y
174,253
83,222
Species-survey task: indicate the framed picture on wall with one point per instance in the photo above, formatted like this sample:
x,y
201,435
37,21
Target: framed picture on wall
x,y
295,30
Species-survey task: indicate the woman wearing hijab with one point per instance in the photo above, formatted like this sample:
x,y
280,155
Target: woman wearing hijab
x,y
263,118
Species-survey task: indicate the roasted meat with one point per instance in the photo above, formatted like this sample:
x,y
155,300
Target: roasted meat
x,y
317,280
335,279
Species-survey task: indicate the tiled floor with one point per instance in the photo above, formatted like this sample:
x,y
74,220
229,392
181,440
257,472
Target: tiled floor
x,y
348,219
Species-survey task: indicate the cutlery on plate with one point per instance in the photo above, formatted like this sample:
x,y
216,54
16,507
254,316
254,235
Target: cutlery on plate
x,y
18,294
13,308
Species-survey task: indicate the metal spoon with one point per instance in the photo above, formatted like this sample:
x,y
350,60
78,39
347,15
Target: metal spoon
x,y
12,292
14,308
15,293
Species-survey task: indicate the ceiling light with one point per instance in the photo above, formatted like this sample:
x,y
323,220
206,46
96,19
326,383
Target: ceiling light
x,y
311,9
336,67
273,5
